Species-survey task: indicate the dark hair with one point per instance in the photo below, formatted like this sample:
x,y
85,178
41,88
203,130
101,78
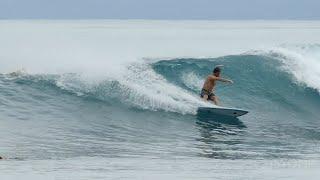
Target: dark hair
x,y
216,70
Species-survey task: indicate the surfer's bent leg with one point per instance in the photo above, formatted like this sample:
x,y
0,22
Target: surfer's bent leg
x,y
214,99
205,97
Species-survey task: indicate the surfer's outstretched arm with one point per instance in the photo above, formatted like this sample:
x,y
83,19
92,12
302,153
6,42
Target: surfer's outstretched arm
x,y
226,80
222,79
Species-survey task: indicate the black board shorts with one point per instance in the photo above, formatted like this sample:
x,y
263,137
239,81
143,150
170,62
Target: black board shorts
x,y
206,92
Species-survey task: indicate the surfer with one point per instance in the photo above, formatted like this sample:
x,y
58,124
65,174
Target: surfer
x,y
207,92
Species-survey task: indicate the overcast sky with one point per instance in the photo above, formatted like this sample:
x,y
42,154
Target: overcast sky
x,y
160,9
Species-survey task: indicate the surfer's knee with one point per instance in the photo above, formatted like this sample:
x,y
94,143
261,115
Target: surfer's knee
x,y
205,97
215,100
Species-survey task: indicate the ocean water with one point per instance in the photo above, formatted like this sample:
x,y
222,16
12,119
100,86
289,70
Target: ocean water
x,y
118,99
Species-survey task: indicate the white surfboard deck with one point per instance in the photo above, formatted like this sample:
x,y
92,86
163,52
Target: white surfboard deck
x,y
233,112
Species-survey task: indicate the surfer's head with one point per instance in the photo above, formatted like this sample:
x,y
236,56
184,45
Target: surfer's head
x,y
217,71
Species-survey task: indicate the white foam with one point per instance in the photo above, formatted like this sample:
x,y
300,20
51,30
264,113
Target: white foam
x,y
141,87
192,81
303,62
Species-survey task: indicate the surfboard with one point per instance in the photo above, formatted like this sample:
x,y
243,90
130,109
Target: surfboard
x,y
232,112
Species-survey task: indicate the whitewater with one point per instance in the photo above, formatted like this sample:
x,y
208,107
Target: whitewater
x,y
108,99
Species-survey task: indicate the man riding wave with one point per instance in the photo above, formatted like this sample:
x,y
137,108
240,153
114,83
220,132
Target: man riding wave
x,y
207,92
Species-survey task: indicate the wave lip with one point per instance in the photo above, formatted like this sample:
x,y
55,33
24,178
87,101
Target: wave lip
x,y
303,62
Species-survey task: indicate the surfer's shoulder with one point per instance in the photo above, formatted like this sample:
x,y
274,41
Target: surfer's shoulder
x,y
212,77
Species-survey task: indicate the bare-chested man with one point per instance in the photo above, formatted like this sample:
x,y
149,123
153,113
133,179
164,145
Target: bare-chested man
x,y
208,87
